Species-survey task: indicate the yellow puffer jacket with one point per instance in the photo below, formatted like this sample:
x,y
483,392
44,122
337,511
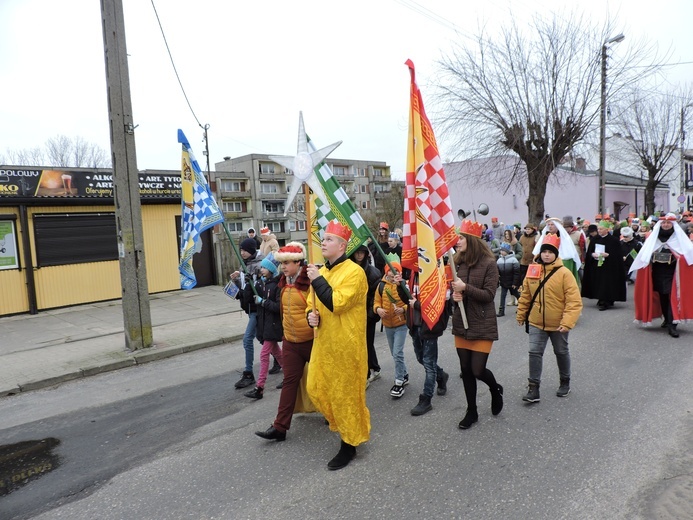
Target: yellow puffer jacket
x,y
558,304
294,300
389,300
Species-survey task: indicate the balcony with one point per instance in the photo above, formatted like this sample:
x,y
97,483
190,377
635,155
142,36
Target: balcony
x,y
234,194
273,196
276,176
235,215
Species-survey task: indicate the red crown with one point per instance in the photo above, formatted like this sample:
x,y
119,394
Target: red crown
x,y
469,227
265,231
597,217
551,240
337,229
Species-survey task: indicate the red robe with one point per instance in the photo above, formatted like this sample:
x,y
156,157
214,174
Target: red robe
x,y
647,305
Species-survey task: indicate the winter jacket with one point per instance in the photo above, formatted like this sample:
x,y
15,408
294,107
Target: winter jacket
x,y
495,244
633,244
516,249
528,242
559,302
269,246
294,302
246,294
413,313
269,321
482,283
508,271
387,298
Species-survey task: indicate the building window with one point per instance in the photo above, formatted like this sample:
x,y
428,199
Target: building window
x,y
301,207
364,204
292,225
232,186
75,238
288,187
232,207
275,227
269,188
234,226
356,188
339,170
273,207
301,225
266,168
364,188
377,172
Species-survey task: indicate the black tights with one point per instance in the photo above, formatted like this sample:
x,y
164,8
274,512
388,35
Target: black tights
x,y
473,367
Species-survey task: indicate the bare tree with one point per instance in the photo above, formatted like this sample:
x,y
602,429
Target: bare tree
x,y
61,151
533,93
650,124
24,157
389,208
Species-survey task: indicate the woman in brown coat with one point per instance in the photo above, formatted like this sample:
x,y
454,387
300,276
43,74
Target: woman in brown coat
x,y
476,289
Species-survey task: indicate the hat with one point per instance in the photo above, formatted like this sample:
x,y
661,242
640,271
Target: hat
x,y
506,247
270,264
605,224
592,228
494,219
626,232
635,220
384,225
265,231
394,261
550,242
597,217
668,216
530,225
568,221
586,223
339,230
251,230
293,251
471,228
249,245
393,235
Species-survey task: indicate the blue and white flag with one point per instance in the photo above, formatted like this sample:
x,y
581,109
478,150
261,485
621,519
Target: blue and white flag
x,y
199,212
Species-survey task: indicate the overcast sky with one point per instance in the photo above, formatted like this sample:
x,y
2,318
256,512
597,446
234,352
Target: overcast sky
x,y
249,67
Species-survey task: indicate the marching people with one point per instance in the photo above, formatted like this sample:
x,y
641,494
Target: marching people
x,y
577,237
392,310
568,253
549,308
474,290
339,357
605,278
664,285
509,276
515,246
362,258
269,242
269,322
383,242
528,240
297,338
251,258
630,246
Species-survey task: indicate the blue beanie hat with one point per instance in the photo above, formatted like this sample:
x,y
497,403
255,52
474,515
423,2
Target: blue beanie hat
x,y
270,264
506,247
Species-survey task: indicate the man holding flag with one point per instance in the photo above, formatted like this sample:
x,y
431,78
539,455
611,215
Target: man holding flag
x,y
429,233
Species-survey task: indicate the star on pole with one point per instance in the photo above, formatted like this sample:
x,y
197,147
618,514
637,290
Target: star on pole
x,y
303,165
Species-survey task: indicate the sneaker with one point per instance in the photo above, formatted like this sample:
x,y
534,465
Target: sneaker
x,y
255,393
397,389
247,380
276,368
405,381
375,374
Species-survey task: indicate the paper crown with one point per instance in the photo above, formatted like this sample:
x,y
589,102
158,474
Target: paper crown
x,y
551,240
393,235
494,219
394,260
605,224
469,227
265,231
337,229
293,251
384,225
597,217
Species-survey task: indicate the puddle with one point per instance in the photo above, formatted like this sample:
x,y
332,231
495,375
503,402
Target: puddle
x,y
26,461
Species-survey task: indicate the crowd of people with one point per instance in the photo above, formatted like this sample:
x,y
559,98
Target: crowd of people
x,y
326,316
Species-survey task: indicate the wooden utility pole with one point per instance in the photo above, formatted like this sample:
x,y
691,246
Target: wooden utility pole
x,y
126,193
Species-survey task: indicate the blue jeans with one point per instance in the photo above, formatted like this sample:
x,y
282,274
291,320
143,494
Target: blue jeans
x,y
395,338
248,341
426,350
537,344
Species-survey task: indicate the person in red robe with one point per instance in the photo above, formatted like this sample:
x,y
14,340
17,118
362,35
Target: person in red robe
x,y
664,285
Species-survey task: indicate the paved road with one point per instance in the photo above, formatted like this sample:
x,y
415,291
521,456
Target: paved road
x,y
172,439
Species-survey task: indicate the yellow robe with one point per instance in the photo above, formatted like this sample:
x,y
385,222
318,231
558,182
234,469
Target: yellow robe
x,y
339,359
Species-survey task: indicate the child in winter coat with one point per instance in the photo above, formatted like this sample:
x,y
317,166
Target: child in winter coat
x,y
392,310
269,322
556,305
509,279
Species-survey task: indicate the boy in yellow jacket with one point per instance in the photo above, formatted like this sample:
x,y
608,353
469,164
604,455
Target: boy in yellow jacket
x,y
392,310
551,303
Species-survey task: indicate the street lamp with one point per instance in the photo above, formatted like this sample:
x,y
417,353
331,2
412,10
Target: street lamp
x,y
683,138
602,126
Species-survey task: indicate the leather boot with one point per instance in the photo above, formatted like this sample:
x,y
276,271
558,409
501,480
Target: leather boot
x,y
496,400
423,406
272,434
469,418
501,312
532,395
343,457
564,389
672,330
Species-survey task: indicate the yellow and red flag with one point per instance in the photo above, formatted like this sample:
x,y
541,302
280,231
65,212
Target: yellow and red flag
x,y
429,225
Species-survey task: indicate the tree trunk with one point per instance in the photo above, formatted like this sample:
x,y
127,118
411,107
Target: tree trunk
x,y
650,195
537,179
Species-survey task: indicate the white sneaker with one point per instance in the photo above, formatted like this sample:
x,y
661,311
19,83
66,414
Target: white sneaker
x,y
375,374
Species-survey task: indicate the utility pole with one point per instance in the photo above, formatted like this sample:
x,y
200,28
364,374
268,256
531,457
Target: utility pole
x,y
126,193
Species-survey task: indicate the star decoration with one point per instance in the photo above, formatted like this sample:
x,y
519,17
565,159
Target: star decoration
x,y
303,165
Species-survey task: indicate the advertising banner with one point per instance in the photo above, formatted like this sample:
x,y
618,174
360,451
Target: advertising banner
x,y
8,241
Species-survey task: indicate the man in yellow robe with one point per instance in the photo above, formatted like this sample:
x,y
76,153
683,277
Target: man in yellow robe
x,y
339,357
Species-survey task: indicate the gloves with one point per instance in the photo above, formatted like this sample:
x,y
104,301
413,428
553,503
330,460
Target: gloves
x,y
258,300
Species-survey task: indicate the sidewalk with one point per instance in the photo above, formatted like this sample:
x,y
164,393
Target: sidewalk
x,y
63,344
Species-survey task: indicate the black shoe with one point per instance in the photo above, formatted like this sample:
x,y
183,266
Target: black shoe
x,y
664,324
564,389
532,395
469,418
343,458
280,385
247,380
276,368
423,406
500,314
672,331
255,393
443,383
497,400
272,434
603,307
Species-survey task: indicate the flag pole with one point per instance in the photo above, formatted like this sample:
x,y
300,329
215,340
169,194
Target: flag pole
x,y
387,261
309,228
451,260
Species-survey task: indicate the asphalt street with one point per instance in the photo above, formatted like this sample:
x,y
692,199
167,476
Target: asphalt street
x,y
173,439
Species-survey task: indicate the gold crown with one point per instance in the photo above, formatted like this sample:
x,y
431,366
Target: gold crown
x,y
337,229
469,227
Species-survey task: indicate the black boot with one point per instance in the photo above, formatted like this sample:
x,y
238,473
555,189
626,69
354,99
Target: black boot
x,y
247,380
276,368
443,383
469,418
255,393
272,434
672,330
532,395
496,400
564,389
343,458
423,406
501,312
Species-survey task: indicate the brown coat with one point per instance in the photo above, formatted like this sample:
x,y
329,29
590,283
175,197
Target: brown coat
x,y
482,282
528,243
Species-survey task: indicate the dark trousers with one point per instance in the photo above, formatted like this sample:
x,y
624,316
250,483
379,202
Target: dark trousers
x,y
294,357
370,343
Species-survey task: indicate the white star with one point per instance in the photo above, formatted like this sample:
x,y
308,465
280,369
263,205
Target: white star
x,y
303,165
